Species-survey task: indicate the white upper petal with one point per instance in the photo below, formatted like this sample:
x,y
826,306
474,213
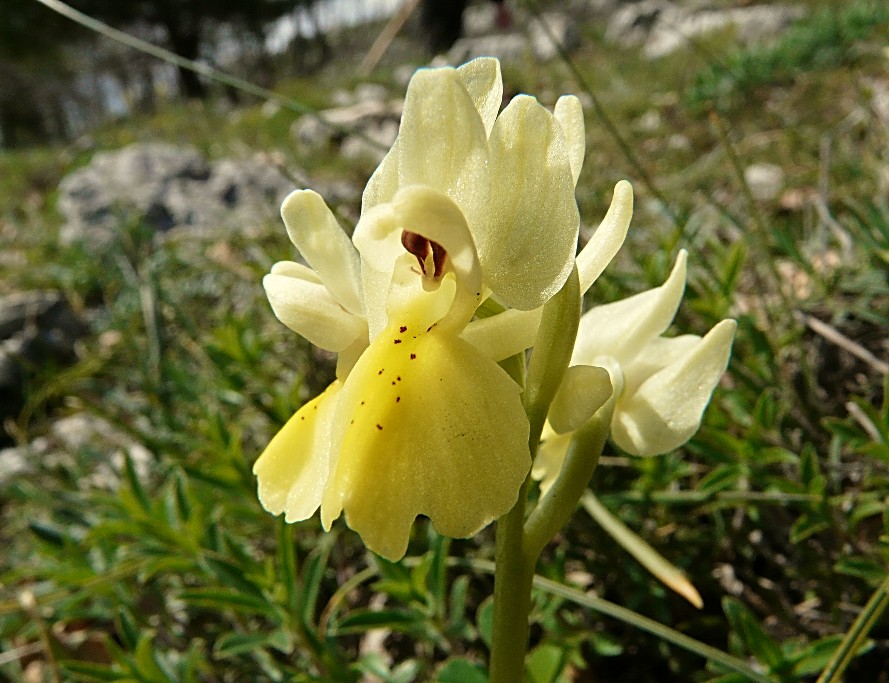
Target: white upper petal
x,y
485,86
608,238
569,114
442,141
308,309
383,184
505,334
623,328
666,410
314,230
584,389
657,354
528,243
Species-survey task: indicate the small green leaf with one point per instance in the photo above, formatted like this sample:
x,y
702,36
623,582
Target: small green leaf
x,y
222,598
126,627
90,672
605,644
232,644
721,478
870,570
815,656
182,495
545,663
287,563
484,620
457,605
363,620
136,484
753,637
49,533
312,575
147,666
807,525
461,671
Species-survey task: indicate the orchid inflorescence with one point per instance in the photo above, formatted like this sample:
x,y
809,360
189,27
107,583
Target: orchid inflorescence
x,y
468,228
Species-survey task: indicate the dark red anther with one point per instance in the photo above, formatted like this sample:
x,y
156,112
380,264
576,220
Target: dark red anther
x,y
419,246
438,258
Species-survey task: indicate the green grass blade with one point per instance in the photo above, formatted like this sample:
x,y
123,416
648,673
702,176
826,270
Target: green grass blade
x,y
664,570
856,634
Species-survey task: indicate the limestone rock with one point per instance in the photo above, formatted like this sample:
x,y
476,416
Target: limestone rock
x,y
661,27
164,187
764,180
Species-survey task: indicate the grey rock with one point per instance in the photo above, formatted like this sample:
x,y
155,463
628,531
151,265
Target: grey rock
x,y
83,441
371,92
507,47
764,180
13,462
661,27
372,125
551,34
166,187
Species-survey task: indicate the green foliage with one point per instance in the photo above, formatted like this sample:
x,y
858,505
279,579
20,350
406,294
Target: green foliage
x,y
826,39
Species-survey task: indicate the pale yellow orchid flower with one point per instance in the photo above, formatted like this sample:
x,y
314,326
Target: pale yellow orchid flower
x,y
662,385
421,420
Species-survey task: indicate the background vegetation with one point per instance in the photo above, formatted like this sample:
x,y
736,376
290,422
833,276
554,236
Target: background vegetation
x,y
777,511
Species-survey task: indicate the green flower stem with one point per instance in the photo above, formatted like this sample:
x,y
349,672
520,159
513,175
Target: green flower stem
x,y
512,596
551,354
515,563
560,502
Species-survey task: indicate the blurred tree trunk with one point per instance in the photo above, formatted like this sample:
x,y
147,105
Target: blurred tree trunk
x,y
186,42
21,120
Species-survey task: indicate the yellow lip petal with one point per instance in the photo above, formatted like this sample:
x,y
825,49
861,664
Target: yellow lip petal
x,y
431,427
293,469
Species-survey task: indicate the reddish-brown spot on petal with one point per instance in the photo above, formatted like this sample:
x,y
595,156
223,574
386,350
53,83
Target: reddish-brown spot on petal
x,y
380,427
413,356
398,399
402,329
396,341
